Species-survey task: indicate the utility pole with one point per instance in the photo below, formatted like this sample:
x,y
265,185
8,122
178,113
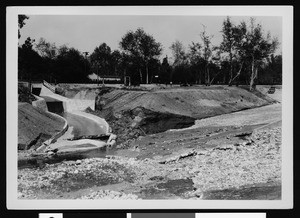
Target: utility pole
x,y
85,54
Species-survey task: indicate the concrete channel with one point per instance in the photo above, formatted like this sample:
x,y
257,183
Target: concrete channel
x,y
79,124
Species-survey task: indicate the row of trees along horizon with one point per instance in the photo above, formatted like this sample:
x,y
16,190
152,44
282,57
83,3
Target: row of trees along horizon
x,y
245,56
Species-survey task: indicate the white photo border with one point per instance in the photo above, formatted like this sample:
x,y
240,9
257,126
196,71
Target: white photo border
x,y
286,12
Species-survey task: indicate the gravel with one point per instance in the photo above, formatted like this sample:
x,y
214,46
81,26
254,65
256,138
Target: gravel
x,y
109,195
254,161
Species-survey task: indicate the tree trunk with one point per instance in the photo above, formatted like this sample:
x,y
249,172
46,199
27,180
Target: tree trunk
x,y
230,76
208,77
141,76
147,76
237,75
253,74
214,78
205,75
124,73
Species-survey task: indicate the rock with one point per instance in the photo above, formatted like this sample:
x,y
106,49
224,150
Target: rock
x,y
244,134
111,143
118,115
113,136
138,119
45,177
78,162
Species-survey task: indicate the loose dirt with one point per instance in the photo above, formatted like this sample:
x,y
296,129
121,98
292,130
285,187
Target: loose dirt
x,y
198,102
34,123
134,113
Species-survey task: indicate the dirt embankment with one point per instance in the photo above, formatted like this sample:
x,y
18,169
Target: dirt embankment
x,y
35,126
192,102
135,113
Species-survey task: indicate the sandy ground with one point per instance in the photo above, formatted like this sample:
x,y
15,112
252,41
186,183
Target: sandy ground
x,y
266,114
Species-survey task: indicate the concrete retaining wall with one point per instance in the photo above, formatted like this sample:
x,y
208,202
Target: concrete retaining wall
x,y
69,104
40,103
75,106
79,105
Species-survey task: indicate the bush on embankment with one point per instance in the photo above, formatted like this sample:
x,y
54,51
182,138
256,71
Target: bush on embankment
x,y
24,94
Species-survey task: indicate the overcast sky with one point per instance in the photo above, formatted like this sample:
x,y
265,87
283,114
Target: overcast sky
x,y
85,32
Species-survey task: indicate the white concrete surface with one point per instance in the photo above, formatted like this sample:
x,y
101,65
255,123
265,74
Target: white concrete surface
x,y
69,104
101,122
40,103
71,145
76,106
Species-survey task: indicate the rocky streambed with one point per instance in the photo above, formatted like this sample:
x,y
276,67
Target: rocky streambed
x,y
247,167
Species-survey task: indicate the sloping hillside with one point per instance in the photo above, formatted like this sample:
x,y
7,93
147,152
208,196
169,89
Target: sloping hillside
x,y
193,102
131,114
35,125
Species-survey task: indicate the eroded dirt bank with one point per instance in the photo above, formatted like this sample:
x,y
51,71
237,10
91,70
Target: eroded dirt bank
x,y
35,126
134,113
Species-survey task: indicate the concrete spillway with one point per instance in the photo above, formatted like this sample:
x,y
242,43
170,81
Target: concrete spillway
x,y
79,122
83,126
68,104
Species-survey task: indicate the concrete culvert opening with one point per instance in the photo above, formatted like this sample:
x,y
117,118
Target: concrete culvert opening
x,y
55,107
36,91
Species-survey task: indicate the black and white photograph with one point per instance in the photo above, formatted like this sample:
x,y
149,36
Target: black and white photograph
x,y
183,106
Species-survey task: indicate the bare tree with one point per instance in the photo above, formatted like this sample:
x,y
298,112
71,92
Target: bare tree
x,y
256,48
207,52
